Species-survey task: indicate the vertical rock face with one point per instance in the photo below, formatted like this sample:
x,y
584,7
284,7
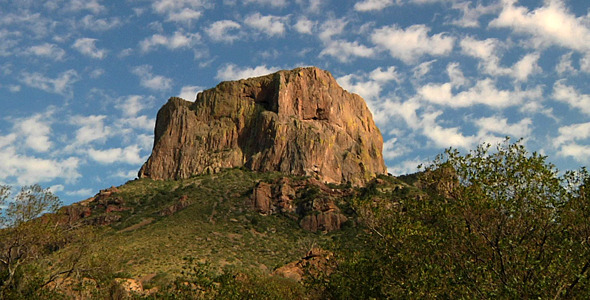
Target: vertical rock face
x,y
298,122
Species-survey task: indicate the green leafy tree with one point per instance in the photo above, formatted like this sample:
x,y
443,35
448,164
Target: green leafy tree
x,y
497,222
23,237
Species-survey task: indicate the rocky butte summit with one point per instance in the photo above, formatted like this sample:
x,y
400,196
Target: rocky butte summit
x,y
298,122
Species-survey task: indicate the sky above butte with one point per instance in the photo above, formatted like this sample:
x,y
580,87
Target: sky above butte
x,y
81,80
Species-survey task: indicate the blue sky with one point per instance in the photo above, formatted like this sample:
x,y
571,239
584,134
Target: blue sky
x,y
81,80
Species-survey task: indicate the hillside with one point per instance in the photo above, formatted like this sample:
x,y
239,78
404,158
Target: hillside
x,y
148,231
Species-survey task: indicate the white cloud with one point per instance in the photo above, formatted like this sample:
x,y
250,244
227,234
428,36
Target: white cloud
x,y
96,73
565,64
275,3
483,92
269,25
181,10
369,5
578,152
369,85
412,43
500,126
406,166
89,22
344,50
57,188
47,50
482,49
570,133
80,193
304,25
393,149
573,142
129,155
331,28
422,69
177,41
87,46
488,52
189,92
127,124
14,88
127,174
445,137
456,75
551,24
151,81
131,105
90,5
224,31
585,63
61,85
35,131
526,66
92,129
471,14
27,170
569,95
233,72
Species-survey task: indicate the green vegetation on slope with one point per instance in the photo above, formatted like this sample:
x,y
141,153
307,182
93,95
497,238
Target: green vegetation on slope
x,y
495,223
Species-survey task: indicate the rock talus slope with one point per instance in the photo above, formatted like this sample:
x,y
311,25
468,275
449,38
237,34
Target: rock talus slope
x,y
298,122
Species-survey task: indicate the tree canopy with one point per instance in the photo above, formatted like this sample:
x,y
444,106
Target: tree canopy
x,y
496,222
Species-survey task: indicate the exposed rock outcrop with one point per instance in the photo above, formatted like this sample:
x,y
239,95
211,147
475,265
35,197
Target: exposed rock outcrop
x,y
298,122
309,201
316,261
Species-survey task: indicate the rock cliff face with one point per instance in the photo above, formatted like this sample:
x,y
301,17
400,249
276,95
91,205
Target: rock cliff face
x,y
298,122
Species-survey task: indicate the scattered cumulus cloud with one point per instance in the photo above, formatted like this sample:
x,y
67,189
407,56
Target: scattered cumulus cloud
x,y
180,10
412,43
565,64
62,84
269,25
90,5
132,105
47,50
572,141
177,41
80,193
369,85
151,81
488,53
551,24
90,22
344,51
90,129
128,155
189,92
274,3
500,126
304,25
234,72
471,12
25,169
572,97
370,5
87,46
35,131
224,31
484,92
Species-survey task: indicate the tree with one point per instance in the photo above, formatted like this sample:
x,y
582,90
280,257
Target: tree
x,y
496,222
24,237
